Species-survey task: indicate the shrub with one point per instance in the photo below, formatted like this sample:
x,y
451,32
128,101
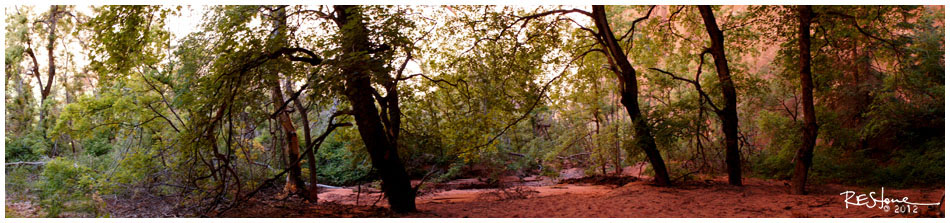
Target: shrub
x,y
339,165
27,148
67,186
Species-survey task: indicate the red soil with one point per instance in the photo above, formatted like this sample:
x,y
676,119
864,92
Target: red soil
x,y
544,199
758,198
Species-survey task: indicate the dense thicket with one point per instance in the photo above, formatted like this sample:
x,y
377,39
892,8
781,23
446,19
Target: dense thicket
x,y
112,102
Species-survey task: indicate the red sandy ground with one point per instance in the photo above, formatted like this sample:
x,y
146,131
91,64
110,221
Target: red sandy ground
x,y
711,198
542,198
758,198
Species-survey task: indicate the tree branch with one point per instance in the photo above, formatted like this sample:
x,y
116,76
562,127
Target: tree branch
x,y
312,58
536,102
633,24
559,11
36,66
854,22
286,102
163,117
695,83
164,100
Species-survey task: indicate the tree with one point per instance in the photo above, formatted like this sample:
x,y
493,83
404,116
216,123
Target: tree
x,y
27,33
730,121
53,19
19,94
609,46
294,184
803,158
358,72
627,79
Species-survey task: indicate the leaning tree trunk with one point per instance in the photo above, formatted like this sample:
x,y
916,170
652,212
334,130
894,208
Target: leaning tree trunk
x,y
730,120
629,96
810,130
294,183
359,91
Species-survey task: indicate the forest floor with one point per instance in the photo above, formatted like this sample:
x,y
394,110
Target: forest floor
x,y
540,197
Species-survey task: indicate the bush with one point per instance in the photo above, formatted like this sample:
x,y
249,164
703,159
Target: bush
x,y
67,186
20,180
776,160
132,170
27,148
98,145
339,165
18,150
899,168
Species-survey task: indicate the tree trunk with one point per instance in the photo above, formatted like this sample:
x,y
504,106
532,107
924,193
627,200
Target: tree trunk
x,y
730,120
359,92
618,168
629,98
810,130
308,143
294,183
51,23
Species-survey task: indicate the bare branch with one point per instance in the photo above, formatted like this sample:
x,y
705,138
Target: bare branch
x,y
163,117
319,14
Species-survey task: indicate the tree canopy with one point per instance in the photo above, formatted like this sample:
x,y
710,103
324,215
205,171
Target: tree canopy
x,y
120,104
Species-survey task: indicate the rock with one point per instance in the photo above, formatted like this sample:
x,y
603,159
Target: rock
x,y
572,173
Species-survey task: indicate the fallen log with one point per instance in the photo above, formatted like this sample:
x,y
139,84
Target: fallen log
x,y
573,156
516,154
26,163
328,186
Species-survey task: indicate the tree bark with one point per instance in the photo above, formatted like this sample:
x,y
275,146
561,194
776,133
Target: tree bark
x,y
359,91
45,91
730,120
294,183
810,129
308,143
629,96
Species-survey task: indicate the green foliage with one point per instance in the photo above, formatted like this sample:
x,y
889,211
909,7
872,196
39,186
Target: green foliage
x,y
877,125
98,145
26,148
454,171
340,165
777,160
21,182
495,94
127,36
67,186
134,169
